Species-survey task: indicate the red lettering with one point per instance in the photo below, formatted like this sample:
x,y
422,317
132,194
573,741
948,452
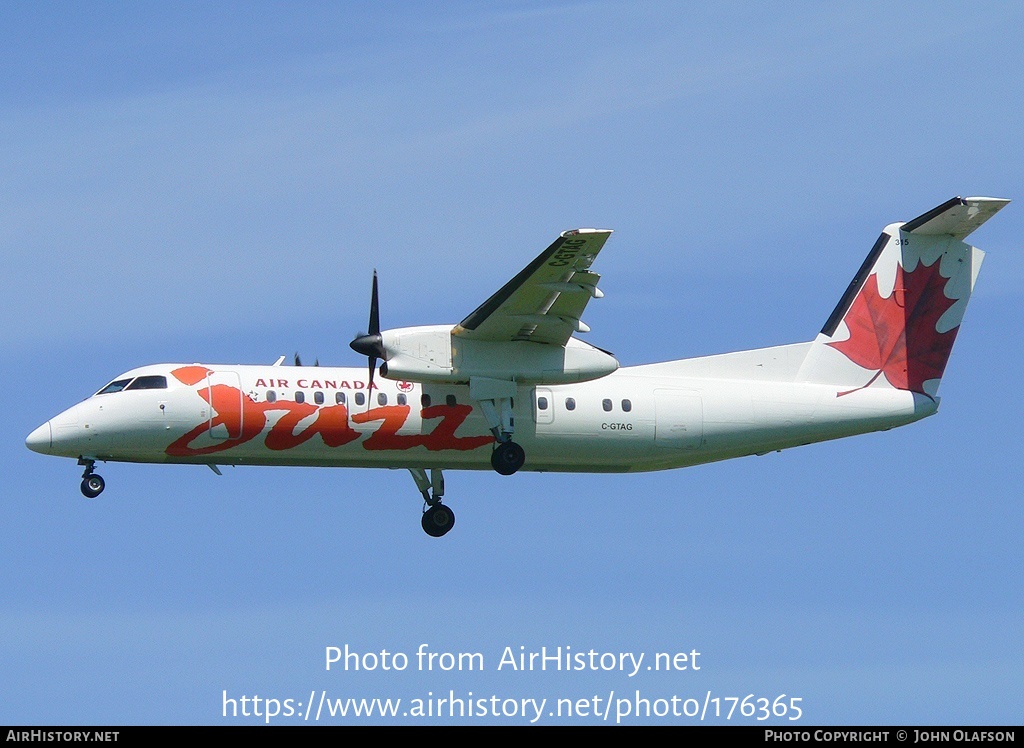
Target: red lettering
x,y
443,435
331,423
245,420
282,434
387,436
225,401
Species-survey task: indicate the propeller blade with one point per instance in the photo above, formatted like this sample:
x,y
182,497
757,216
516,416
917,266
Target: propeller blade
x,y
371,344
374,328
298,361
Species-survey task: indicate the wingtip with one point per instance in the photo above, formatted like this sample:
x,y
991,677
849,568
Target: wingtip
x,y
575,232
995,202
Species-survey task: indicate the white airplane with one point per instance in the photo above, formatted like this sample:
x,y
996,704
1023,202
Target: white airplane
x,y
510,388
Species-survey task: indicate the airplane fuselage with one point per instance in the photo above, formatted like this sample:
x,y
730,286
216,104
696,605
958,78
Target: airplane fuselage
x,y
641,418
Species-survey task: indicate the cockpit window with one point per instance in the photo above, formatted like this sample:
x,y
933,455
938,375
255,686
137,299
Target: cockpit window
x,y
116,386
154,382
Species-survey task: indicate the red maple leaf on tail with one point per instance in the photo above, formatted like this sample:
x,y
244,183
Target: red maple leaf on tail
x,y
896,335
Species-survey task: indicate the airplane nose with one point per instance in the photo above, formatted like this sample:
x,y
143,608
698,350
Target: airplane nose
x,y
41,439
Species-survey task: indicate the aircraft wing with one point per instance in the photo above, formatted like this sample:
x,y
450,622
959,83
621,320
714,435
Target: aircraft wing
x,y
544,302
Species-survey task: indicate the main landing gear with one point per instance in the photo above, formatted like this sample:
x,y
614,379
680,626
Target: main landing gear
x,y
92,483
495,398
438,518
507,457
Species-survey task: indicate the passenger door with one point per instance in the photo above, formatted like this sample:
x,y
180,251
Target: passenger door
x,y
224,392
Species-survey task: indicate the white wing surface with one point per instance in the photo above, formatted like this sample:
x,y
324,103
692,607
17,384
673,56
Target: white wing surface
x,y
545,301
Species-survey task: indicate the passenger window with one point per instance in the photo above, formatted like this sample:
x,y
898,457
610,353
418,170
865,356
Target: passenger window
x,y
607,405
626,406
115,386
382,398
449,400
425,400
318,398
339,397
148,383
570,403
271,396
300,397
402,399
360,398
542,403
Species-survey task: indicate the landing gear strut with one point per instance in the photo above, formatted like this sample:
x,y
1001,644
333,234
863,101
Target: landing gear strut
x,y
495,398
92,483
438,518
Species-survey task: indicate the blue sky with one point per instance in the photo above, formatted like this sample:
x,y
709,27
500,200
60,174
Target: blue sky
x,y
193,183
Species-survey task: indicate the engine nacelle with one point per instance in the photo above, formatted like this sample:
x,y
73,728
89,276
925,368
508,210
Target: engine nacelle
x,y
433,354
418,354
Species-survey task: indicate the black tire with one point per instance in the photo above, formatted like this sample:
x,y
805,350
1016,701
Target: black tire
x,y
507,458
438,520
92,486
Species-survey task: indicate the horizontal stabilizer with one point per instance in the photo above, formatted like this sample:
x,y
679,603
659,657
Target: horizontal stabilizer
x,y
957,217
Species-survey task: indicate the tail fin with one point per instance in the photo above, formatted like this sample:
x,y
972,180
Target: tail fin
x,y
896,323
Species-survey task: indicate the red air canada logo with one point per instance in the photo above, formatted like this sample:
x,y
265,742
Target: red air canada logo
x,y
896,335
244,419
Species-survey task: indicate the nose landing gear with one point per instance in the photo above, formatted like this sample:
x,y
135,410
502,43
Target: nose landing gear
x,y
92,483
438,518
